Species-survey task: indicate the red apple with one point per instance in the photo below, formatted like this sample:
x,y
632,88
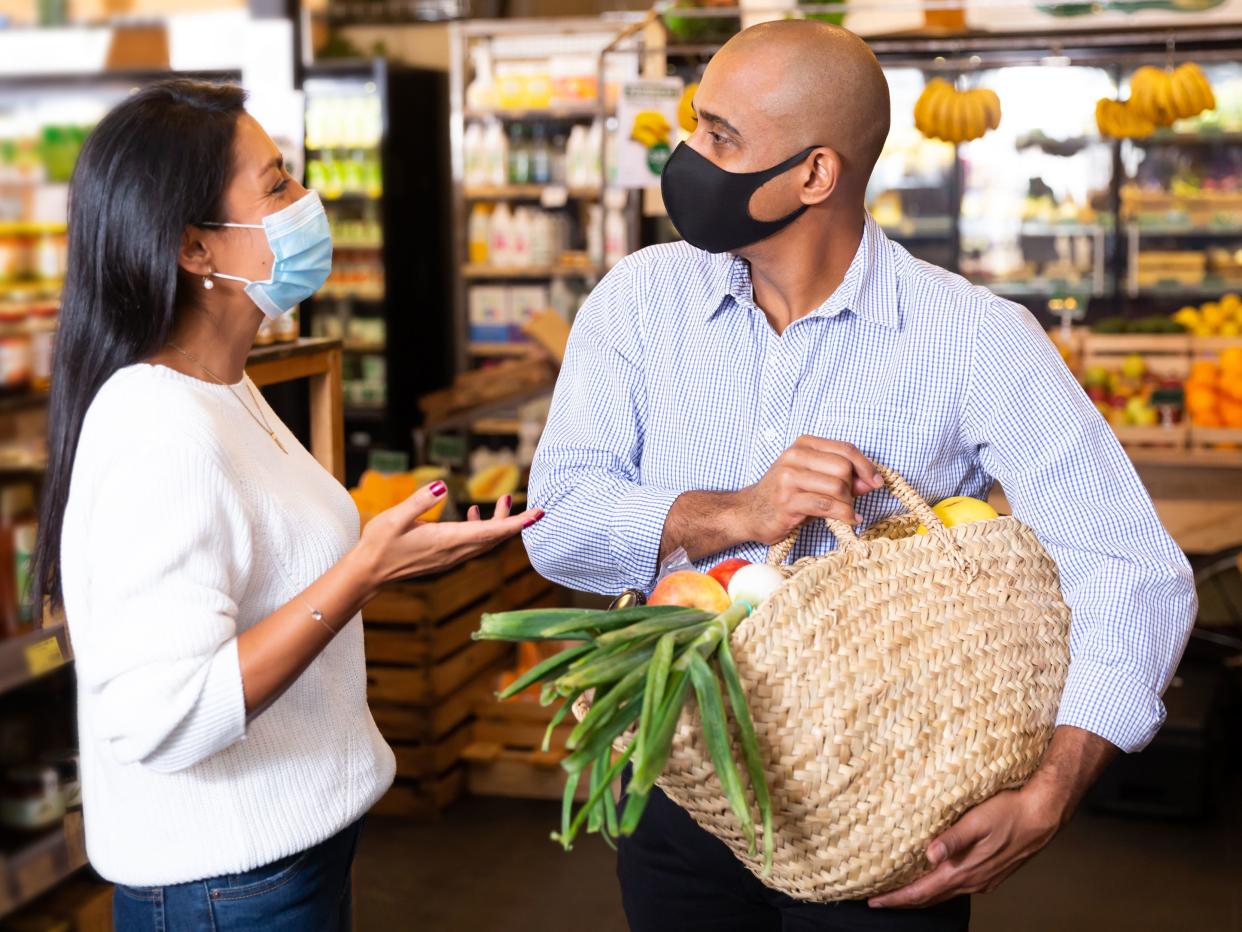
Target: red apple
x,y
691,590
723,572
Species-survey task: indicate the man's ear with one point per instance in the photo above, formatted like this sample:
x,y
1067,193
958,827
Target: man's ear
x,y
195,255
825,175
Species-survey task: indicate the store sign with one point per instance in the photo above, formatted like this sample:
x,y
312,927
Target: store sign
x,y
647,129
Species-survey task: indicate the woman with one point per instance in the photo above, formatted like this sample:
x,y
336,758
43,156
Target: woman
x,y
210,569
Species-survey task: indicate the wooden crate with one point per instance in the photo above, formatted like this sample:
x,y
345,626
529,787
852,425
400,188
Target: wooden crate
x,y
425,673
1166,354
506,759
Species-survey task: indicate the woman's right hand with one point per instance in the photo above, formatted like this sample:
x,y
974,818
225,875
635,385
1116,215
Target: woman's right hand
x,y
395,544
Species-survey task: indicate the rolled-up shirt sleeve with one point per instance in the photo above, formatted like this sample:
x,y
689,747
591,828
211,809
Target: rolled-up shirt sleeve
x,y
168,545
1129,588
603,525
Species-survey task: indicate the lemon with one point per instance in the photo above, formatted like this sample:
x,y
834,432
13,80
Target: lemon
x,y
961,509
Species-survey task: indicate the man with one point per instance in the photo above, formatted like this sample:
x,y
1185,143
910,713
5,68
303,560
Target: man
x,y
719,393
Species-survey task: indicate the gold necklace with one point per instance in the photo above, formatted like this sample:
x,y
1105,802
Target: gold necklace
x,y
257,418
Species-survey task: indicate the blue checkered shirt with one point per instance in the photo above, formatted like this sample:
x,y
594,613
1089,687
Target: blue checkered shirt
x,y
675,381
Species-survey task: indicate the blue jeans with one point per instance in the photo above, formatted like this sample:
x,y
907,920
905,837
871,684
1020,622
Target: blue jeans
x,y
304,892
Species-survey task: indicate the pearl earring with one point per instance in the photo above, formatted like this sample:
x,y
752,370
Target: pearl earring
x,y
208,284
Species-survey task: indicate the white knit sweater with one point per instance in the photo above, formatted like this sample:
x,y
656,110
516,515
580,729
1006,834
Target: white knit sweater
x,y
185,526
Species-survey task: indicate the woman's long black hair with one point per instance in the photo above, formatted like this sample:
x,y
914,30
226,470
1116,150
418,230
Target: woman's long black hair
x,y
154,165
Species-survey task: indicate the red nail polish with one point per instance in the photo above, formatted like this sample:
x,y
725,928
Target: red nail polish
x,y
535,520
437,488
508,501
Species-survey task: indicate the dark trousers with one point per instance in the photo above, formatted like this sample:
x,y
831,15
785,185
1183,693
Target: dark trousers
x,y
676,877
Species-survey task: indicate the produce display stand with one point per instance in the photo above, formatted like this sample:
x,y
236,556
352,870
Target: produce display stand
x,y
426,676
505,757
319,362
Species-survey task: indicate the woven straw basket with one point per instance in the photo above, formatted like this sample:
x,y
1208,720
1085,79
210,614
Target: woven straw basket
x,y
894,683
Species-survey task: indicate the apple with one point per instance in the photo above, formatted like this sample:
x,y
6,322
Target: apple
x,y
691,590
723,572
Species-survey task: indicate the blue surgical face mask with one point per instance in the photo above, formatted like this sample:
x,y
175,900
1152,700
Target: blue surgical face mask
x,y
301,241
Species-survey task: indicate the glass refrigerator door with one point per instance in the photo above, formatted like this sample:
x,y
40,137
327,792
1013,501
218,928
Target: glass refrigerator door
x,y
1181,205
1036,219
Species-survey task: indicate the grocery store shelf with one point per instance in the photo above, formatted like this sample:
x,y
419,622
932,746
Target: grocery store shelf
x,y
1207,287
563,112
358,346
468,417
350,197
1185,229
533,271
366,415
358,246
29,656
1157,456
20,401
497,427
1033,228
920,227
1039,288
1188,139
484,350
29,868
525,192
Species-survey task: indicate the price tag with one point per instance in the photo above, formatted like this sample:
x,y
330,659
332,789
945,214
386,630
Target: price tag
x,y
44,655
553,196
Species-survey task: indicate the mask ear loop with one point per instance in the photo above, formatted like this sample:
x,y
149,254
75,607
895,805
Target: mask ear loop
x,y
208,284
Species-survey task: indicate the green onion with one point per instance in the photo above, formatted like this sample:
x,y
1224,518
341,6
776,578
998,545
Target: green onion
x,y
543,670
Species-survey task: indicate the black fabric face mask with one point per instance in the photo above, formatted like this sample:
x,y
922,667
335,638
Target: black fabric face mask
x,y
710,207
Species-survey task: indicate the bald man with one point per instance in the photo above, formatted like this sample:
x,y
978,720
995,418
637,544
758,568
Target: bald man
x,y
720,392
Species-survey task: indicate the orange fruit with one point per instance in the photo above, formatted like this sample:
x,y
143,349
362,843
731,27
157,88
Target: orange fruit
x,y
1204,371
1231,360
1206,420
1231,413
1231,388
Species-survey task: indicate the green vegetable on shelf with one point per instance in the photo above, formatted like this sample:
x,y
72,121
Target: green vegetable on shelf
x,y
642,662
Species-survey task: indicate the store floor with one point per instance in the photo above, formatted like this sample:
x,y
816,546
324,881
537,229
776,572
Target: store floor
x,y
488,866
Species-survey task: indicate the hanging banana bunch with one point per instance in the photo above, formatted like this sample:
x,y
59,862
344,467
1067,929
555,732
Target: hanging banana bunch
x,y
1120,119
1158,97
943,112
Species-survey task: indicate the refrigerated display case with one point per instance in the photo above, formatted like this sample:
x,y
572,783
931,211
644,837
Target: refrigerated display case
x,y
377,152
1045,210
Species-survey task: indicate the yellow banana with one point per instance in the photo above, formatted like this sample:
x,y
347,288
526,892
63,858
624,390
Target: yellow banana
x,y
1194,77
1185,96
925,106
1166,109
978,113
991,107
943,116
1143,91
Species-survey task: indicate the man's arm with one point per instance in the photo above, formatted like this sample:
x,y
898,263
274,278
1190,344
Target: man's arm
x,y
814,478
1128,586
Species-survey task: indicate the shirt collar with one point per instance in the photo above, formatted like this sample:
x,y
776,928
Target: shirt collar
x,y
868,288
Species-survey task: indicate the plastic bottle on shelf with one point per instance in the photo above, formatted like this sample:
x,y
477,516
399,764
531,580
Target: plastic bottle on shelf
x,y
479,235
540,156
561,298
481,94
497,159
500,251
575,152
559,159
591,157
616,243
595,234
520,239
519,155
475,159
542,232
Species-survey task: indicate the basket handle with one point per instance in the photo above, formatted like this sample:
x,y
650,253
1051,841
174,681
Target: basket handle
x,y
846,538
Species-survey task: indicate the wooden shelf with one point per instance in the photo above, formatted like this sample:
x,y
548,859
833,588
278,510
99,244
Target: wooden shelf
x,y
467,417
1208,459
497,426
30,869
23,400
534,271
562,112
501,349
525,192
31,655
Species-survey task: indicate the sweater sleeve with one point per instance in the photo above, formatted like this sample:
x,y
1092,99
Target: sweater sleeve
x,y
168,546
